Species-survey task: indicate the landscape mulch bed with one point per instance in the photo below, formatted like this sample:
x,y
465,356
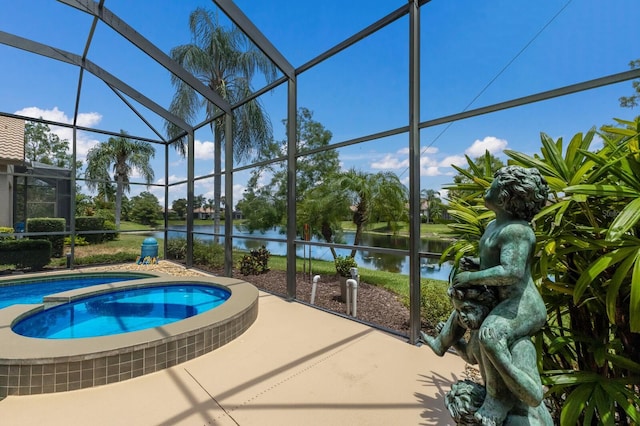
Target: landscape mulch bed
x,y
375,305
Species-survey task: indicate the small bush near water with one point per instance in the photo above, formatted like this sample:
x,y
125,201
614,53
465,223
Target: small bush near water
x,y
256,262
435,305
206,253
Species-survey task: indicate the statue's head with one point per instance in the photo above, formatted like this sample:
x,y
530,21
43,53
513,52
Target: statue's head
x,y
520,191
473,304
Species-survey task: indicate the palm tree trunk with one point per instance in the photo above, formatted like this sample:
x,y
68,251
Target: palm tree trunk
x,y
118,201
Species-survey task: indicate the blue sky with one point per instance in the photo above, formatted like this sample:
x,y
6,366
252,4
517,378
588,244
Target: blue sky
x,y
473,54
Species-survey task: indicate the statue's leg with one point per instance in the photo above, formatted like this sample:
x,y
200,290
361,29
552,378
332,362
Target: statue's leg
x,y
449,334
508,322
498,400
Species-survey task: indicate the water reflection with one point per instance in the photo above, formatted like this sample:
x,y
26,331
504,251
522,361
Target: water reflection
x,y
366,258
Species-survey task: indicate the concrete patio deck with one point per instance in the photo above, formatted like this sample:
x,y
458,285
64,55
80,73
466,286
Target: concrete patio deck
x,y
296,365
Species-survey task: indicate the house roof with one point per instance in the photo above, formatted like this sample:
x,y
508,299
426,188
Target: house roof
x,y
11,140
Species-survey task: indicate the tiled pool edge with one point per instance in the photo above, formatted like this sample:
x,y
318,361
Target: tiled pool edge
x,y
187,339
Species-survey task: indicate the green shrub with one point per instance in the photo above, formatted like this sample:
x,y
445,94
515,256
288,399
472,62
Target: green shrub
x,y
25,253
51,225
205,253
177,248
208,253
110,236
79,241
435,305
6,230
96,223
107,214
256,262
344,265
91,223
100,259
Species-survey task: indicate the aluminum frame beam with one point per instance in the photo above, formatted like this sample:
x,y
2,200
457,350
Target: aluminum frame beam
x,y
414,172
73,59
255,35
126,31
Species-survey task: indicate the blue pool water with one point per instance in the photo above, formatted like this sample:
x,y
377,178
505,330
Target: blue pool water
x,y
32,291
122,311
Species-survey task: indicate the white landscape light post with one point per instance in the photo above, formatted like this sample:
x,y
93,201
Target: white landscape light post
x,y
313,288
352,292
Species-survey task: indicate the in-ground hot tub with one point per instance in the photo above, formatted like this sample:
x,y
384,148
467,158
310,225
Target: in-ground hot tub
x,y
33,365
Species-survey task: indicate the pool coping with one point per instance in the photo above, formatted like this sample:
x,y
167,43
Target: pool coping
x,y
31,366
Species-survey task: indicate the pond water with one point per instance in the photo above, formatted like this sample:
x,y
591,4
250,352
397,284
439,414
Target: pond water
x,y
365,258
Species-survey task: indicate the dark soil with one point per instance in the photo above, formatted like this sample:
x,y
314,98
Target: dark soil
x,y
376,305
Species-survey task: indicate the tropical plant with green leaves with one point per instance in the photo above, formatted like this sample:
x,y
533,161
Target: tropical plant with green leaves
x,y
225,60
469,215
122,155
367,192
588,271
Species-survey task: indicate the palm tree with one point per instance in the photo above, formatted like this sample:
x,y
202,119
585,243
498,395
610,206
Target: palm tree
x,y
369,191
225,60
124,155
431,198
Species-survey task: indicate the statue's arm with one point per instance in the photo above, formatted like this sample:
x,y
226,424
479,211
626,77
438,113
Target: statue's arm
x,y
462,349
515,243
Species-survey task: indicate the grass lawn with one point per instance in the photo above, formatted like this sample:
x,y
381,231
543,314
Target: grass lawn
x,y
392,281
127,248
427,230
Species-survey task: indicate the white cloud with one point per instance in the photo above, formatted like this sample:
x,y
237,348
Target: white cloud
x,y
390,162
456,160
83,141
172,179
238,193
204,150
489,143
430,171
429,167
423,151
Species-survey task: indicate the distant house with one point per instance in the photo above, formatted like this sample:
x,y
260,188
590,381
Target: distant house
x,y
203,213
207,213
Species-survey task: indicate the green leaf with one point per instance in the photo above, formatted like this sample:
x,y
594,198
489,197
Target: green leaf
x,y
560,213
575,405
616,282
559,343
604,190
634,304
573,378
629,401
528,161
596,268
572,149
556,184
619,130
580,174
624,362
604,405
628,218
599,355
554,156
559,288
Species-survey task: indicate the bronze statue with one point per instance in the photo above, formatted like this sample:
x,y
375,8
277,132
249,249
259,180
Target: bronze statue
x,y
496,299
